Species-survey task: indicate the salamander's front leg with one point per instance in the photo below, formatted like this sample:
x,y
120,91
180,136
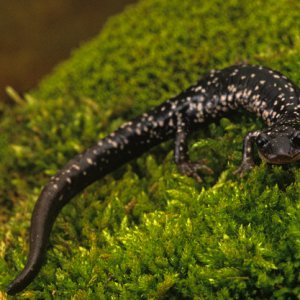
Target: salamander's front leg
x,y
185,166
247,162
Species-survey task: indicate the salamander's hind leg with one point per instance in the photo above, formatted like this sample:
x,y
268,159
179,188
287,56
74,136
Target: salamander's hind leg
x,y
185,166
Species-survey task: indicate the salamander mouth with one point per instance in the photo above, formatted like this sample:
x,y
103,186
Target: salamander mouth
x,y
279,159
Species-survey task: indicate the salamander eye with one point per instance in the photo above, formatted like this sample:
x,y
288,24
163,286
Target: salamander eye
x,y
296,138
262,140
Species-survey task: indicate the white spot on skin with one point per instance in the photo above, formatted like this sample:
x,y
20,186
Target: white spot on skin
x,y
161,123
129,129
76,167
89,161
208,105
238,94
199,107
138,131
174,105
114,144
150,118
69,180
171,123
232,88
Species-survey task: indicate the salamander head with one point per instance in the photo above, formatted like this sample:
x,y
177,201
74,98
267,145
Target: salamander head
x,y
280,144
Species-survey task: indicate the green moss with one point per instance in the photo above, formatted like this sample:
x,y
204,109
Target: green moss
x,y
146,232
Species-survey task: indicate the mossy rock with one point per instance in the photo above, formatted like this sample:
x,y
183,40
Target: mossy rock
x,y
146,232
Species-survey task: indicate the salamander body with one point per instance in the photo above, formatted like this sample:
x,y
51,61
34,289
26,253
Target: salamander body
x,y
267,93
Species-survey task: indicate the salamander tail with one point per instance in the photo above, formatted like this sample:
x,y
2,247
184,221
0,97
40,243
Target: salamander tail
x,y
24,278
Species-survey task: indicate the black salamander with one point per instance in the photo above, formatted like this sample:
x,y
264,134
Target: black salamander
x,y
267,93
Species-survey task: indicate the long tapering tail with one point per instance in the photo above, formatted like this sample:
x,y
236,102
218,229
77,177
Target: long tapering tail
x,y
126,143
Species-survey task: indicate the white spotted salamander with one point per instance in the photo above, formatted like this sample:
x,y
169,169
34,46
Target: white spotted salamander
x,y
267,93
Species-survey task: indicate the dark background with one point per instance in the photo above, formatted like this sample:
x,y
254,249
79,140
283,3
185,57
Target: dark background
x,y
35,35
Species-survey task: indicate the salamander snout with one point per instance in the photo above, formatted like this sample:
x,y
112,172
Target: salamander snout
x,y
279,147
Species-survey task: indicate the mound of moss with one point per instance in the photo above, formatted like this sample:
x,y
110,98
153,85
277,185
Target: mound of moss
x,y
145,231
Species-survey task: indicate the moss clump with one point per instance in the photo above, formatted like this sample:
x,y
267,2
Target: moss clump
x,y
145,231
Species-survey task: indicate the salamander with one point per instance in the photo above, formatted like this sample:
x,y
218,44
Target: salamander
x,y
260,90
